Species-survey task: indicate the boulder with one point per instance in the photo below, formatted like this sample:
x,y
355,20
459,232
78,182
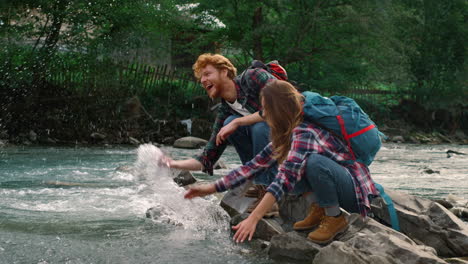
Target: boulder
x,y
97,136
427,222
189,143
126,169
398,139
32,136
463,260
293,246
266,228
220,164
460,212
236,204
365,241
4,134
368,241
184,178
133,141
293,208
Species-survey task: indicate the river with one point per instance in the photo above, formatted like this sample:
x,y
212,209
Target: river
x,y
71,205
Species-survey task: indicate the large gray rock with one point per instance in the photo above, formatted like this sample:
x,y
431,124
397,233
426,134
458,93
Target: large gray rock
x,y
292,246
236,204
266,228
189,143
426,222
293,208
366,241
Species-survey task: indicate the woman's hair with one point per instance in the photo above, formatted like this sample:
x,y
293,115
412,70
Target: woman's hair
x,y
282,106
216,60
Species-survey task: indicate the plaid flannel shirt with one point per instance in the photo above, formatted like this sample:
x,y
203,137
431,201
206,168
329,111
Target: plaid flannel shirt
x,y
307,138
248,86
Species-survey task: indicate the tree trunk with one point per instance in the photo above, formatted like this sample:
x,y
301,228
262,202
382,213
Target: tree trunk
x,y
257,35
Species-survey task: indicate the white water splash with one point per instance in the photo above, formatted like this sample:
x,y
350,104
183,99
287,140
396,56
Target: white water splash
x,y
169,203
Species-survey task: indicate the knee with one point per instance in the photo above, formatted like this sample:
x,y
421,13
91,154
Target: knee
x,y
229,119
315,167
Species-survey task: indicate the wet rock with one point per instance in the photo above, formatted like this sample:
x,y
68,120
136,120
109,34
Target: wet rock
x,y
133,141
97,136
293,208
398,139
168,140
463,260
444,203
184,178
444,138
414,140
235,203
293,246
368,241
4,134
126,169
429,171
32,136
220,164
2,143
451,153
266,227
426,221
189,143
460,212
201,128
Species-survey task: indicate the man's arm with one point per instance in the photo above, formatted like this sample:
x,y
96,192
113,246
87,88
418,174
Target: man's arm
x,y
187,164
230,128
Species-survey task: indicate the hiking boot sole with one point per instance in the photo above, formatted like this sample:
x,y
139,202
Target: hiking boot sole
x,y
305,228
341,231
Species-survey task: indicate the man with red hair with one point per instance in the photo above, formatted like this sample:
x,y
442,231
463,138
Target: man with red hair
x,y
238,120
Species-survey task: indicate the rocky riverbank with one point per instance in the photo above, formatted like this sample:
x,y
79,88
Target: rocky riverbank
x,y
429,232
167,132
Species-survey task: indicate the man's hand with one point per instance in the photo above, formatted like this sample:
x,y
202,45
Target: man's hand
x,y
245,229
200,191
226,131
187,164
166,161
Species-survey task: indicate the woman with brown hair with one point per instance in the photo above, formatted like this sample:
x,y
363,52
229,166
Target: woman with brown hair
x,y
311,160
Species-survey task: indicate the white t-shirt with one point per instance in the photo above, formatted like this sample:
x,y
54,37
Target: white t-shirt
x,y
236,106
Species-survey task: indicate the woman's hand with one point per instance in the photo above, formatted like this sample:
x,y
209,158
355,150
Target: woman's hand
x,y
225,132
245,229
199,191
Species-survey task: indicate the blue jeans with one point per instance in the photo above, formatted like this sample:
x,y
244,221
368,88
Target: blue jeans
x,y
248,142
332,183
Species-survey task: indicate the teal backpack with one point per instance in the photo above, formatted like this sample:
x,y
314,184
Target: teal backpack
x,y
343,116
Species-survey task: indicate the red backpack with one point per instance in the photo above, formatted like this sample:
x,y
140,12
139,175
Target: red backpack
x,y
272,67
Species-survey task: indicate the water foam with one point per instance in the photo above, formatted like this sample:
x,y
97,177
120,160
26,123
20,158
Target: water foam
x,y
169,204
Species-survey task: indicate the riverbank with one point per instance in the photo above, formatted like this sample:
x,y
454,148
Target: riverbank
x,y
165,132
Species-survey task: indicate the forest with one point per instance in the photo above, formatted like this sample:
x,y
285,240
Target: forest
x,y
110,70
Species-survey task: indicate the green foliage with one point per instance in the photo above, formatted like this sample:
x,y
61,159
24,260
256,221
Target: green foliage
x,y
406,49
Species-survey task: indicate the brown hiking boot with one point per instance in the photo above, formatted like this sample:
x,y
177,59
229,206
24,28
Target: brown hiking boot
x,y
273,211
312,220
328,229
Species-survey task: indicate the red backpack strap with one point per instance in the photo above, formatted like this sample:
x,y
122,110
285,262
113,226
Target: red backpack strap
x,y
345,135
278,71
